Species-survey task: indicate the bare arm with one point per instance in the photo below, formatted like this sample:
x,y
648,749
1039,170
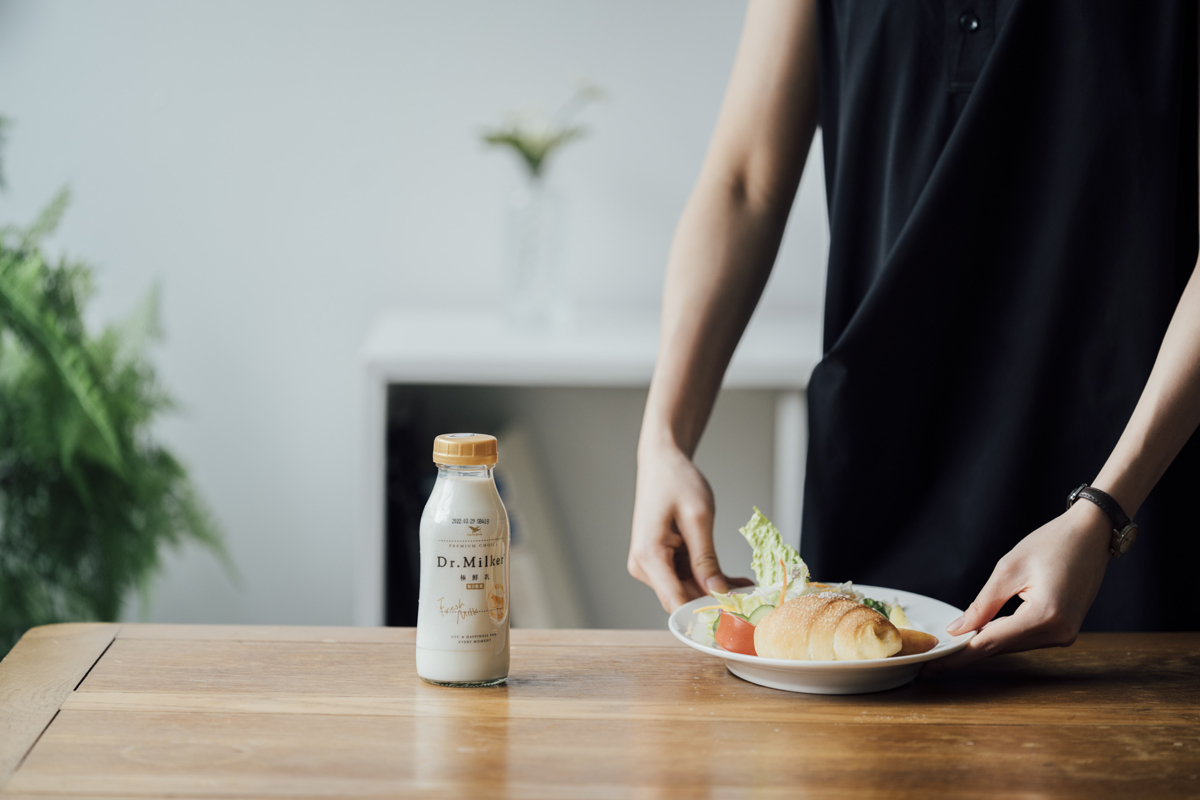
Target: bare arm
x,y
721,257
1057,569
1167,413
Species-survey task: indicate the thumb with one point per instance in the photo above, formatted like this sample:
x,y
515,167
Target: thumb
x,y
696,528
995,593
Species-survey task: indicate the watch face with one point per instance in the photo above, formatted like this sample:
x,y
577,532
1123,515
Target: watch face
x,y
1126,538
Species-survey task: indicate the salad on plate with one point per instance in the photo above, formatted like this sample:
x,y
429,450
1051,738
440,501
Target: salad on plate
x,y
781,575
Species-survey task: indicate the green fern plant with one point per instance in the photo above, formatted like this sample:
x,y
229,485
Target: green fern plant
x,y
88,499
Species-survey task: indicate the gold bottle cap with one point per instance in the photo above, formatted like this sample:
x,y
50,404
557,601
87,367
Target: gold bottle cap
x,y
465,449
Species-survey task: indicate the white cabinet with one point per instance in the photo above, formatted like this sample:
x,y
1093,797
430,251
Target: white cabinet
x,y
604,352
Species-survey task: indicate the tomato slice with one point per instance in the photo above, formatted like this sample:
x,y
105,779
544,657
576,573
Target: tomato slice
x,y
735,634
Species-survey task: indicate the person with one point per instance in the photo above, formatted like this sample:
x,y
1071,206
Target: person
x,y
1012,308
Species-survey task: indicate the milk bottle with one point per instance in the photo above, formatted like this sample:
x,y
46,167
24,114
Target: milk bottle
x,y
462,620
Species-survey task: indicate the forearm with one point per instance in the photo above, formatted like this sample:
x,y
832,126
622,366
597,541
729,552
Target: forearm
x,y
1057,570
1167,413
730,231
720,260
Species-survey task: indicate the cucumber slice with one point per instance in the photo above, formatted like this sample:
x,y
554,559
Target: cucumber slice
x,y
757,614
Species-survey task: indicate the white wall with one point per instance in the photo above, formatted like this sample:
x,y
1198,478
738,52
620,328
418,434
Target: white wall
x,y
288,170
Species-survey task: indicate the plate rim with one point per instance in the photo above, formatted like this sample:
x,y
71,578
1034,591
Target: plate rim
x,y
955,643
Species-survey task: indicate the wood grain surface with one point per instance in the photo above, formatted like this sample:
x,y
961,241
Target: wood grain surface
x,y
37,676
211,711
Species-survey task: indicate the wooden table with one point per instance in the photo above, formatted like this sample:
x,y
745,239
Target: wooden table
x,y
200,711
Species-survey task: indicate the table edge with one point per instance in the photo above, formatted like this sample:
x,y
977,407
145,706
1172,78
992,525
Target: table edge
x,y
36,678
521,637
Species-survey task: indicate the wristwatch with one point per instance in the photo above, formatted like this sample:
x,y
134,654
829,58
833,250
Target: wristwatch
x,y
1124,530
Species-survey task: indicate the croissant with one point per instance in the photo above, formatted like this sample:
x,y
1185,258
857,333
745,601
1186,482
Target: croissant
x,y
825,627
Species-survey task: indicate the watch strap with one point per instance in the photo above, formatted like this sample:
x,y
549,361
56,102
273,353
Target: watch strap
x,y
1111,508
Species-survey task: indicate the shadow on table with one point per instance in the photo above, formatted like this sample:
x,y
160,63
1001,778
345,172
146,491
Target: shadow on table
x,y
1056,672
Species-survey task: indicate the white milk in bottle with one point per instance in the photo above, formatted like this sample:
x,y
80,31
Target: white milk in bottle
x,y
462,621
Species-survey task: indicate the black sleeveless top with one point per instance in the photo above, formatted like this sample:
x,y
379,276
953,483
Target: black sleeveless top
x,y
1012,191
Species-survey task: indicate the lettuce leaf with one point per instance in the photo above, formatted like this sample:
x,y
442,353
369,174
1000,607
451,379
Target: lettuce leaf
x,y
769,548
742,602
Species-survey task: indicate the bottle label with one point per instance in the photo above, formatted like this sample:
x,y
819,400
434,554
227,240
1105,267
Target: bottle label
x,y
464,596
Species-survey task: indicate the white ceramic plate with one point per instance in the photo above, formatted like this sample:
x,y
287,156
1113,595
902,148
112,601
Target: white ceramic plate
x,y
839,677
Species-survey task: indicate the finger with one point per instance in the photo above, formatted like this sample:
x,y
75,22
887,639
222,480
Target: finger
x,y
653,545
660,575
1027,629
665,583
995,593
985,643
695,525
683,570
739,582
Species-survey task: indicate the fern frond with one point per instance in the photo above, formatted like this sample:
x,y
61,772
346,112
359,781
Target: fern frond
x,y
88,501
20,290
140,327
47,221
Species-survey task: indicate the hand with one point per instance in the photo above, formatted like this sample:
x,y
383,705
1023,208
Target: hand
x,y
671,548
1056,571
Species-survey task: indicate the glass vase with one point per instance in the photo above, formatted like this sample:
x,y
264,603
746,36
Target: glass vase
x,y
535,280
